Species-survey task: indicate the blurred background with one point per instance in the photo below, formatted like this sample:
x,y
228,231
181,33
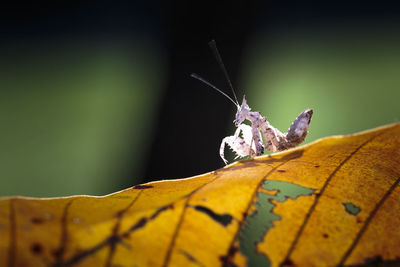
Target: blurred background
x,y
97,97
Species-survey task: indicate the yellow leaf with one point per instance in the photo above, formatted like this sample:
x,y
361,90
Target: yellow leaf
x,y
333,202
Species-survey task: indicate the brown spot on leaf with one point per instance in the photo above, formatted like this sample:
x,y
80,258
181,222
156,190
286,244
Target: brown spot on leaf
x,y
36,220
281,171
142,186
227,259
288,262
224,219
54,252
325,235
141,223
316,166
36,248
190,257
374,260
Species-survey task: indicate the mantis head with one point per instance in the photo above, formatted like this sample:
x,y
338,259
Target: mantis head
x,y
242,112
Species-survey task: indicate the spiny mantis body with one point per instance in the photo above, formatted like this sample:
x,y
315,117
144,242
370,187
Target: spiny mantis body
x,y
247,140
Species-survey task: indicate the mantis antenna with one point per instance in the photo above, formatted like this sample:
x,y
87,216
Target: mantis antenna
x,y
213,47
196,76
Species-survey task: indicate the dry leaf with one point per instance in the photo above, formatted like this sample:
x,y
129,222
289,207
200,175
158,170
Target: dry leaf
x,y
333,202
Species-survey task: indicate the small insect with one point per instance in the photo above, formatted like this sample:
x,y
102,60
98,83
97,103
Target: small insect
x,y
247,140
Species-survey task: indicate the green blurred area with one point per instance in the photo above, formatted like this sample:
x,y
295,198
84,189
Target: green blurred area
x,y
75,119
349,76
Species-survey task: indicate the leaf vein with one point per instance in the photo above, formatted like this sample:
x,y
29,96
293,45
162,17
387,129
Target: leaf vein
x,y
114,239
120,214
318,196
368,221
64,235
182,216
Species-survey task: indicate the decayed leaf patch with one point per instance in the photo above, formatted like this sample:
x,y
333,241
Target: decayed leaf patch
x,y
333,202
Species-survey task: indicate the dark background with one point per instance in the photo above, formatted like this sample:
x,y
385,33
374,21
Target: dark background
x,y
168,125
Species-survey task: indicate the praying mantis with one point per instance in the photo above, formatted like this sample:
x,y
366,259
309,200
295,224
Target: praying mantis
x,y
247,140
